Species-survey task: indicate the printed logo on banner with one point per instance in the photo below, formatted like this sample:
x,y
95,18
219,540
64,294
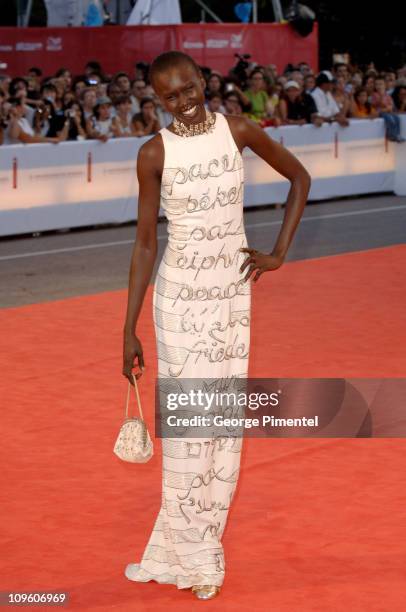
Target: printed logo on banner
x,y
236,41
216,43
189,44
29,46
4,48
54,43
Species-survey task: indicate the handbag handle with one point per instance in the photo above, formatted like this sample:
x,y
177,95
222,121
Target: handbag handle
x,y
138,396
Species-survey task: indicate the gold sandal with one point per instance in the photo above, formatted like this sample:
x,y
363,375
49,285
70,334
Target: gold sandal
x,y
205,591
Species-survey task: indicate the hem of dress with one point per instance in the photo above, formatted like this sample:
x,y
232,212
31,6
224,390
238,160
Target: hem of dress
x,y
136,573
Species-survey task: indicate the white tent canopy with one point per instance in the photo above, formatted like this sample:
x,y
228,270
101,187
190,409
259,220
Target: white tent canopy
x,y
68,12
155,12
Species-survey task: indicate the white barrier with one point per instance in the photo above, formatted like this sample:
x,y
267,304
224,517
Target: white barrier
x,y
74,184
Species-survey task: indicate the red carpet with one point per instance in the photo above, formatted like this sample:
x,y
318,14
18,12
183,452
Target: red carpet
x,y
316,525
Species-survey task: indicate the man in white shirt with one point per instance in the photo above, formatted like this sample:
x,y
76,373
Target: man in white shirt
x,y
327,107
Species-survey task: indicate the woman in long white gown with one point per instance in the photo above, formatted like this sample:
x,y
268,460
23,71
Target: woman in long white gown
x,y
201,311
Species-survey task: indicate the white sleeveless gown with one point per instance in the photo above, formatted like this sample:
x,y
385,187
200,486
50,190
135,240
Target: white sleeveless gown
x,y
201,311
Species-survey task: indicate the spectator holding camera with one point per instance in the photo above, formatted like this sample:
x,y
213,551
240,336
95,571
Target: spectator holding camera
x,y
54,108
74,114
19,130
43,117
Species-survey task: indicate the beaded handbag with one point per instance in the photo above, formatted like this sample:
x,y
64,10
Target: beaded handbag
x,y
133,442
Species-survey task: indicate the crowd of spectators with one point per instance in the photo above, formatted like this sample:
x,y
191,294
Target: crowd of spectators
x,y
37,108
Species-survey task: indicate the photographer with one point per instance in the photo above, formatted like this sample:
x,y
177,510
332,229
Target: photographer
x,y
232,87
74,115
56,116
18,130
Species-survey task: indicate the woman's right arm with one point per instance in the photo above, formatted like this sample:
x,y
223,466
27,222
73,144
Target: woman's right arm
x,y
149,173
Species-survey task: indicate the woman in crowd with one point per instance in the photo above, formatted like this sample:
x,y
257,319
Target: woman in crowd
x,y
122,126
215,84
146,121
18,88
273,96
361,107
42,118
258,96
88,98
66,76
77,125
55,108
368,82
99,125
232,103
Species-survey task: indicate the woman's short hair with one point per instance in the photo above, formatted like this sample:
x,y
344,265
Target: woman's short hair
x,y
169,59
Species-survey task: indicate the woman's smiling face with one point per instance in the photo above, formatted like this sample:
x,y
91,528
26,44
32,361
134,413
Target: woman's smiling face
x,y
181,89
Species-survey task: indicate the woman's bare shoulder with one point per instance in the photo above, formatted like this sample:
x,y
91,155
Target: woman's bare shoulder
x,y
240,126
151,156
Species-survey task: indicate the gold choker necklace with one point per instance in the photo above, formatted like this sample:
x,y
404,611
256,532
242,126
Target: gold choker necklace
x,y
204,127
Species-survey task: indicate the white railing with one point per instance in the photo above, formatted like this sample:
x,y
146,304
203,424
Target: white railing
x,y
74,184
